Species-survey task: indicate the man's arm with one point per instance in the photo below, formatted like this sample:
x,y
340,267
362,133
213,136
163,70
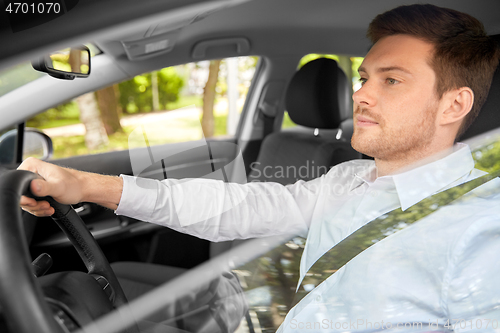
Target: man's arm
x,y
205,208
219,211
68,186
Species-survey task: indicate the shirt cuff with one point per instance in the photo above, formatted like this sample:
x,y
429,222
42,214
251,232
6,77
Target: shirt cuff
x,y
138,198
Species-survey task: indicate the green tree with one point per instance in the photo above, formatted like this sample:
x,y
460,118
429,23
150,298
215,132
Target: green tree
x,y
488,157
136,95
63,114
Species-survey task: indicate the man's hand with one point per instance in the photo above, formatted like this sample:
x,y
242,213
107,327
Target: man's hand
x,y
68,186
60,183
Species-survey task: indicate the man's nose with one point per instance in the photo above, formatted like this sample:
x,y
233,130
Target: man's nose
x,y
365,96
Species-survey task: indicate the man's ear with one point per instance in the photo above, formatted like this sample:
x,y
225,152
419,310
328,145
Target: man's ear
x,y
457,104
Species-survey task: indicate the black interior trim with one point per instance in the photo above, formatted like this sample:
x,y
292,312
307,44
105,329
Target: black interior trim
x,y
489,117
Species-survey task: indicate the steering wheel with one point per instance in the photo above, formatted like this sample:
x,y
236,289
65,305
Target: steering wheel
x,y
69,298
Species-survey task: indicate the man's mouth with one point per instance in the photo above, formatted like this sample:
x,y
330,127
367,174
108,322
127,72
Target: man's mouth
x,y
365,122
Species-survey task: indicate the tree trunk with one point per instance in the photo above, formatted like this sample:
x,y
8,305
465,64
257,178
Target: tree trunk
x,y
207,122
75,61
107,100
95,134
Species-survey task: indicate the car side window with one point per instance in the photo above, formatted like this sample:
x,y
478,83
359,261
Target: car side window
x,y
180,103
345,62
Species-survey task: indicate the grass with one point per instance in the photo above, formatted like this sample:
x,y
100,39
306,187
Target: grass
x,y
56,123
75,145
70,115
179,130
184,101
220,125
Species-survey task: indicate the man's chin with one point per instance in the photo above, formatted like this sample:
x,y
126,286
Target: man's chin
x,y
363,146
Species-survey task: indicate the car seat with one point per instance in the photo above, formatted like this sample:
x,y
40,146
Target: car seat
x,y
318,99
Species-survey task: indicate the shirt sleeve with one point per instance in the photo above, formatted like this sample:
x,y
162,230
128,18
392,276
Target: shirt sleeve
x,y
220,211
471,287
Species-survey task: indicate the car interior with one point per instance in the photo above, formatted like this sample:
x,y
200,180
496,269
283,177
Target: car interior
x,y
317,98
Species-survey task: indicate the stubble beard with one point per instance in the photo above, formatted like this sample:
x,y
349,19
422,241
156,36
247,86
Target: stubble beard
x,y
394,143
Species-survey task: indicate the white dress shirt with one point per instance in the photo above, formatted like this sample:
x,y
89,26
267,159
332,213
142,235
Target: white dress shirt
x,y
440,269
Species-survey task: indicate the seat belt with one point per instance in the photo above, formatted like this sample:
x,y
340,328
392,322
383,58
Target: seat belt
x,y
383,226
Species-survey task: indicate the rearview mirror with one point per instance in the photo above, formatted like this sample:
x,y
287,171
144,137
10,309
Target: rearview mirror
x,y
65,64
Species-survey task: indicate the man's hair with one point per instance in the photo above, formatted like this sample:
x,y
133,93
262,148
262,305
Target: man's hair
x,y
464,56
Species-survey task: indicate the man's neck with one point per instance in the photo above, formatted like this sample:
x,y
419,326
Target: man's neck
x,y
387,167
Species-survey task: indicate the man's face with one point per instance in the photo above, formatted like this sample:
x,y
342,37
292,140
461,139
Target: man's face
x,y
395,109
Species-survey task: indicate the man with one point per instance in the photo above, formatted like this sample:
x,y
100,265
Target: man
x,y
424,81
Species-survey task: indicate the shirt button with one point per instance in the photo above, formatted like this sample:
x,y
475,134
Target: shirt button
x,y
318,298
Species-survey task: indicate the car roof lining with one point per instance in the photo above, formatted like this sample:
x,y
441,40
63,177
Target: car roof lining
x,y
253,19
266,26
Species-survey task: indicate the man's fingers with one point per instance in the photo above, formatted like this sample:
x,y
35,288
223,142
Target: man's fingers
x,y
26,201
40,213
55,181
32,205
38,208
40,187
51,184
30,164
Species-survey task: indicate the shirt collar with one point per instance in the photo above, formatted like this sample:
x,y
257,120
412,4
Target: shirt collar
x,y
421,182
367,176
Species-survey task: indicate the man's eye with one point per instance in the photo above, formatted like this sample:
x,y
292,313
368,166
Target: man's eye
x,y
362,80
392,81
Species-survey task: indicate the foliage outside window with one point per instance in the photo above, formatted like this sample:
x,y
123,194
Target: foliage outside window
x,y
487,157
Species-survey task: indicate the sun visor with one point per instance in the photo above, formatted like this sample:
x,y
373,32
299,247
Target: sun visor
x,y
161,37
221,48
150,47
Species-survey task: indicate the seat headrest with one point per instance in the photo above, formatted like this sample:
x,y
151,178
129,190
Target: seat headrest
x,y
488,118
318,95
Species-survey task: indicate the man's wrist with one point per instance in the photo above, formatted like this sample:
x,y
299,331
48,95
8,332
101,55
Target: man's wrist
x,y
100,189
84,181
